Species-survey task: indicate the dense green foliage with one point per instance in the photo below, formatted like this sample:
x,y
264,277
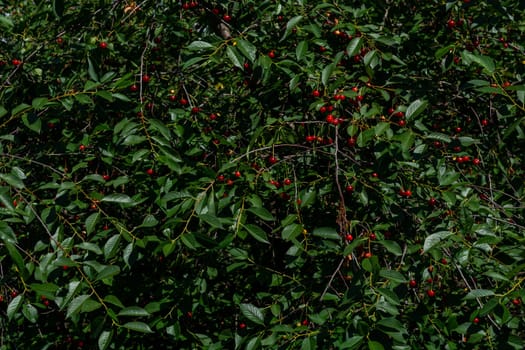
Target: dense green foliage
x,y
262,174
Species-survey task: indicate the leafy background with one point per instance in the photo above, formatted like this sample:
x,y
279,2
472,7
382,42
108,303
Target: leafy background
x,y
261,174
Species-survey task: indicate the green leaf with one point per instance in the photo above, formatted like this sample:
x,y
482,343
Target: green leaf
x,y
326,233
32,122
301,50
111,246
479,293
415,109
449,178
3,111
234,57
211,220
392,246
262,213
484,61
118,198
291,231
6,23
13,306
252,313
326,73
393,275
149,221
374,345
107,272
91,70
290,25
133,311
354,46
91,222
104,340
199,45
30,313
257,233
138,327
247,49
434,239
76,304
39,103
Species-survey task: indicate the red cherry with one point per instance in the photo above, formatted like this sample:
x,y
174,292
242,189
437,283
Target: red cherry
x,y
444,261
172,98
213,116
287,182
349,237
183,101
316,93
150,171
134,88
351,141
516,301
229,182
451,23
322,109
485,122
16,62
242,325
227,18
475,320
402,123
373,236
349,188
82,148
60,41
46,303
146,78
432,202
220,178
271,54
412,283
215,11
408,193
186,6
368,255
195,110
390,111
106,177
375,175
237,173
272,160
476,161
14,294
330,119
103,45
431,293
360,98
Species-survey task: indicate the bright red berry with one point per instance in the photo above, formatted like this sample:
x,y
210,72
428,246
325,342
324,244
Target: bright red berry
x,y
431,293
271,54
237,174
242,325
349,189
16,62
272,160
134,88
516,301
103,45
106,177
287,182
412,283
475,320
146,78
227,18
316,93
349,237
150,171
